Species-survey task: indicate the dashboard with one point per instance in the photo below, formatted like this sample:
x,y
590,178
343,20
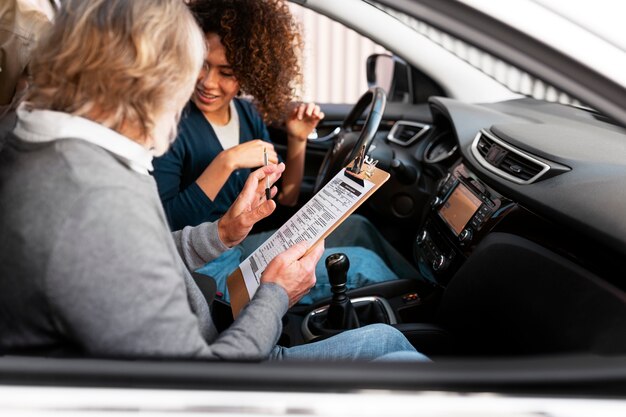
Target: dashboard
x,y
512,213
517,210
548,173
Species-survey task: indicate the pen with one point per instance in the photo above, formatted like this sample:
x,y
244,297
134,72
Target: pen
x,y
267,179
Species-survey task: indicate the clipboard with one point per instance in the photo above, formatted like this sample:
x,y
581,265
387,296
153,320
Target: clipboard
x,y
238,288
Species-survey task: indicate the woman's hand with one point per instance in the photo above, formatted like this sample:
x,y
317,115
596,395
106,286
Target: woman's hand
x,y
249,154
250,205
300,122
245,155
302,119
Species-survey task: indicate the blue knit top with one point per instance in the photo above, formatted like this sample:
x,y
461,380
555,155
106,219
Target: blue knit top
x,y
195,147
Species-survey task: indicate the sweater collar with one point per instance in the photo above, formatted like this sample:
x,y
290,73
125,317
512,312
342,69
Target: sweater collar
x,y
46,125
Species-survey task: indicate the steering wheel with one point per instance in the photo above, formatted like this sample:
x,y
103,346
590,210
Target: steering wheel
x,y
348,143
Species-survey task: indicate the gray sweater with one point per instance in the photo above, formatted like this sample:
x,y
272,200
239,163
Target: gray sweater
x,y
87,263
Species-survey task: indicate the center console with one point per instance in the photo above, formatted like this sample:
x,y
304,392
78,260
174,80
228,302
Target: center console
x,y
462,211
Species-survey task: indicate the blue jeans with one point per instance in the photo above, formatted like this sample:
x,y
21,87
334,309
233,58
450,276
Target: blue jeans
x,y
372,259
376,342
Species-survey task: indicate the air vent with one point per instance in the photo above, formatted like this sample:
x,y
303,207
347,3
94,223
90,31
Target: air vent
x,y
506,161
405,133
519,167
483,146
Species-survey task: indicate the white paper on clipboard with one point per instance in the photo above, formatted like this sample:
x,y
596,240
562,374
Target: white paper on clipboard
x,y
310,223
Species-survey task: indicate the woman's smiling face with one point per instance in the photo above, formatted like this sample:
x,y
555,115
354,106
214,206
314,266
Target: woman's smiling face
x,y
217,84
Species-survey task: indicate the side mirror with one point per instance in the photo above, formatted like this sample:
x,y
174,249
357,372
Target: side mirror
x,y
392,74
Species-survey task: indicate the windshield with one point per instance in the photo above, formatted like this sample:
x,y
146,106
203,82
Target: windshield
x,y
511,77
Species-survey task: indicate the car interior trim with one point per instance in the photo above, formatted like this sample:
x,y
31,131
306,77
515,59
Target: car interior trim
x,y
486,164
391,137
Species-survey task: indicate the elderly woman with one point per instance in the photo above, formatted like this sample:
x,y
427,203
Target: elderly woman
x,y
86,259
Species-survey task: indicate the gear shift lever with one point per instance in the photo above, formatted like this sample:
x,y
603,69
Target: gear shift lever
x,y
341,314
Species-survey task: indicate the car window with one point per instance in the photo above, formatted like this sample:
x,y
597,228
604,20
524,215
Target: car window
x,y
333,58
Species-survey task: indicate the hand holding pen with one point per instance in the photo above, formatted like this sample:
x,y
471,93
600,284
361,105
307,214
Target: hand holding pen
x,y
268,186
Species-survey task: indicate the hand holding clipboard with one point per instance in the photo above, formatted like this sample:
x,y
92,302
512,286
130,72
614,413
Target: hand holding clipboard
x,y
339,198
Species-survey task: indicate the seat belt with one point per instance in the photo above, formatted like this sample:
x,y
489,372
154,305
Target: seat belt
x,y
221,312
207,286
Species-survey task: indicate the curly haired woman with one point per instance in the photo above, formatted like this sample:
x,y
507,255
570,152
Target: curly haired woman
x,y
253,49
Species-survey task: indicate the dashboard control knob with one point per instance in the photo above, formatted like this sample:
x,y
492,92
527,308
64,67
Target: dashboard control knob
x,y
466,235
436,202
421,238
440,263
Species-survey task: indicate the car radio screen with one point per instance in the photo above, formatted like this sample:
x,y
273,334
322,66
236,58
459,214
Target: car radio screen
x,y
459,208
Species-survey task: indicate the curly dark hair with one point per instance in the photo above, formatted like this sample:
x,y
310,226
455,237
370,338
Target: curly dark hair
x,y
263,45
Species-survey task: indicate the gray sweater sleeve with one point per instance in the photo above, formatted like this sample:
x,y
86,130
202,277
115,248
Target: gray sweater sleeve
x,y
115,285
199,245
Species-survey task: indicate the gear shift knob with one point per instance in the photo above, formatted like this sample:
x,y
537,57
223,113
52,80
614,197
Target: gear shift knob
x,y
341,314
337,266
